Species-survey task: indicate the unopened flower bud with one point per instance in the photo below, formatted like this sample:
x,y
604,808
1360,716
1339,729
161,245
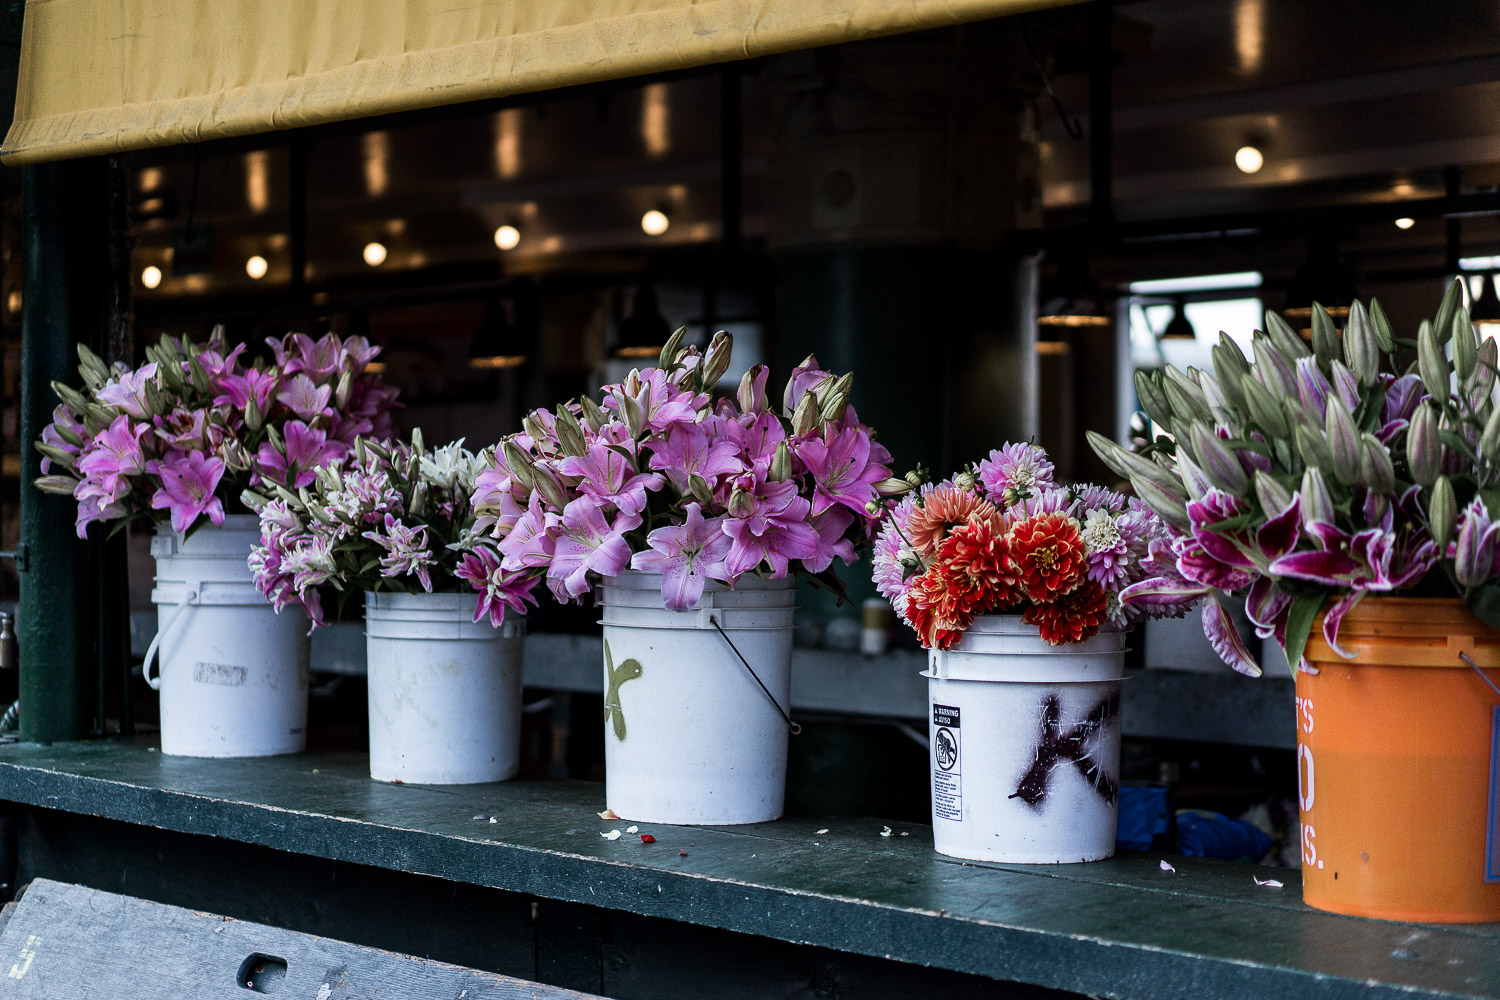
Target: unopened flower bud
x,y
592,413
965,480
716,361
872,508
62,486
805,417
635,417
752,392
1375,468
1343,441
1424,446
1442,513
669,350
551,491
1219,464
893,487
518,462
1317,505
781,464
741,503
833,408
253,417
1273,496
1431,364
1489,439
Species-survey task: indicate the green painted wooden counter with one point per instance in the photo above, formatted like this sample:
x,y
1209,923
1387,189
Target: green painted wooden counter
x,y
1120,928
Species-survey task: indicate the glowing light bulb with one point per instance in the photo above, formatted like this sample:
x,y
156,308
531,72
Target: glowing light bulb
x,y
1249,159
256,267
374,254
655,222
151,276
507,237
1405,223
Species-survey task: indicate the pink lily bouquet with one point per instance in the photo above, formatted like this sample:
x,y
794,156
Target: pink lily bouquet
x,y
186,432
1322,472
393,517
1002,537
662,477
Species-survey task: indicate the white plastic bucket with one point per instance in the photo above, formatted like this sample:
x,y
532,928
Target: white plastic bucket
x,y
1025,742
445,691
689,736
233,673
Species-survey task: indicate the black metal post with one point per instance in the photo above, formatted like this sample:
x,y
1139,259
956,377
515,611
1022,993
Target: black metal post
x,y
65,285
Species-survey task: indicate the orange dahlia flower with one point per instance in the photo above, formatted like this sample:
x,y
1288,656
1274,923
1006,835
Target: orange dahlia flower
x,y
943,509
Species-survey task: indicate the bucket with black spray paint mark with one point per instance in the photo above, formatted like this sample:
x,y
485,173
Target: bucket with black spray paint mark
x,y
1025,744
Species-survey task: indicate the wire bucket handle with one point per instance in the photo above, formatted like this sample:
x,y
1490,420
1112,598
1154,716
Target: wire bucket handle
x,y
189,597
1465,657
792,726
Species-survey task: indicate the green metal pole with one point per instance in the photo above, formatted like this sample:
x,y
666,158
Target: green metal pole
x,y
62,277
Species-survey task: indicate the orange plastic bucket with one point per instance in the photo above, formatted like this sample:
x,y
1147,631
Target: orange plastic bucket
x,y
1398,765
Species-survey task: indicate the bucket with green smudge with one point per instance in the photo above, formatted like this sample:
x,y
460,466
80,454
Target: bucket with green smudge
x,y
689,735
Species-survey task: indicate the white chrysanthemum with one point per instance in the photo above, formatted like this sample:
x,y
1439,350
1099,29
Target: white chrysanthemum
x,y
1100,533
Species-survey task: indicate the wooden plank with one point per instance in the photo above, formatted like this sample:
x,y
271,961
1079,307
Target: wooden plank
x,y
1119,928
66,940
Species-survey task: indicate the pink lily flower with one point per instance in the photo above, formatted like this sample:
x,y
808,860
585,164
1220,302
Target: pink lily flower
x,y
185,430
306,450
304,398
841,469
588,544
128,392
687,556
696,449
406,551
238,390
498,588
97,504
115,452
757,439
532,539
663,403
609,477
188,485
768,523
831,525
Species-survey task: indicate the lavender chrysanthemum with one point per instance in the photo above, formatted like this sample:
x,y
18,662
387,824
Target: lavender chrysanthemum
x,y
1018,468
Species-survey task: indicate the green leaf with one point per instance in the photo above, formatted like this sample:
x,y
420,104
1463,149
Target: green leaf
x,y
1299,623
1484,601
1458,444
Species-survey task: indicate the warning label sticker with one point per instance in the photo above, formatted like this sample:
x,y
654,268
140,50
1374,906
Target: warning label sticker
x,y
947,776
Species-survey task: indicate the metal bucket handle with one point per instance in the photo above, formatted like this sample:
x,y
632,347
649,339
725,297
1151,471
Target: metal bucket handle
x,y
189,597
1465,657
794,727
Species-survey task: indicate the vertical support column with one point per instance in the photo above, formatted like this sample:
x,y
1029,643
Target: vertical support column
x,y
65,294
900,167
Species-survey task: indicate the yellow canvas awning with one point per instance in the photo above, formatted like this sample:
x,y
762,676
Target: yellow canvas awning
x,y
105,76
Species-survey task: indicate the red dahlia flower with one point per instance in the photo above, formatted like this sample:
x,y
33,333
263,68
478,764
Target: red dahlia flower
x,y
1073,617
1049,555
976,556
941,607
